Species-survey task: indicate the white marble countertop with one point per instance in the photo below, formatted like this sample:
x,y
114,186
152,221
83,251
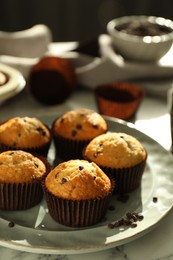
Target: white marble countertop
x,y
152,118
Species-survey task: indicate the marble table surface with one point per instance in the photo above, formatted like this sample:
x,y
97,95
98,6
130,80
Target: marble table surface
x,y
152,118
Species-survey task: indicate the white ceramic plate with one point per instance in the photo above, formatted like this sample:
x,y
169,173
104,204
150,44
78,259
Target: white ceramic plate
x,y
35,231
14,85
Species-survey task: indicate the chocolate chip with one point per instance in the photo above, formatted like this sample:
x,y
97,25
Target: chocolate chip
x,y
81,167
79,127
110,225
140,217
130,219
41,131
133,225
74,133
11,224
155,199
36,165
63,180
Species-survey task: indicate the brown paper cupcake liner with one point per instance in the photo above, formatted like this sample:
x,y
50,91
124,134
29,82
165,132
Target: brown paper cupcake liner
x,y
22,196
77,213
69,149
126,179
120,99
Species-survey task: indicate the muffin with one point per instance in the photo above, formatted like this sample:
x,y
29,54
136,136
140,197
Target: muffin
x,y
77,193
120,99
25,133
119,155
52,80
73,130
21,174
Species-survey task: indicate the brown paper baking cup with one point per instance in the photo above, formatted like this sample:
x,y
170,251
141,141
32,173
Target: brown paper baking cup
x,y
22,196
69,149
77,213
126,179
120,99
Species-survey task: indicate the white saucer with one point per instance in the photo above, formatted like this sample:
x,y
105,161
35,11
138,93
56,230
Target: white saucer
x,y
14,85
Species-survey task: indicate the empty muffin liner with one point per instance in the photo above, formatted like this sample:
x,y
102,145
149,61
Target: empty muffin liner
x,y
69,149
22,196
119,99
77,213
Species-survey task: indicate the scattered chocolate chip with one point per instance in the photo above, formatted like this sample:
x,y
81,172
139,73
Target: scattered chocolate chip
x,y
155,199
133,225
11,224
74,133
130,219
140,217
81,167
111,225
117,224
95,177
63,180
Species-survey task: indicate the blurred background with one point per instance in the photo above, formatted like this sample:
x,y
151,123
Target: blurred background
x,y
75,20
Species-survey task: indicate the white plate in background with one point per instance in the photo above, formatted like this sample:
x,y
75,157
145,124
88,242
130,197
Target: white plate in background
x,y
14,85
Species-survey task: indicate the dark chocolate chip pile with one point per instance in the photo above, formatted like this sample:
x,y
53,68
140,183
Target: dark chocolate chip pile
x,y
130,219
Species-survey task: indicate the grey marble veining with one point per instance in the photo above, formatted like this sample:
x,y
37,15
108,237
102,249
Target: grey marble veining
x,y
115,253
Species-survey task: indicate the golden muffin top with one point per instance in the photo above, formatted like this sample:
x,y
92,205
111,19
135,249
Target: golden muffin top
x,y
78,180
20,167
80,124
24,132
115,150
